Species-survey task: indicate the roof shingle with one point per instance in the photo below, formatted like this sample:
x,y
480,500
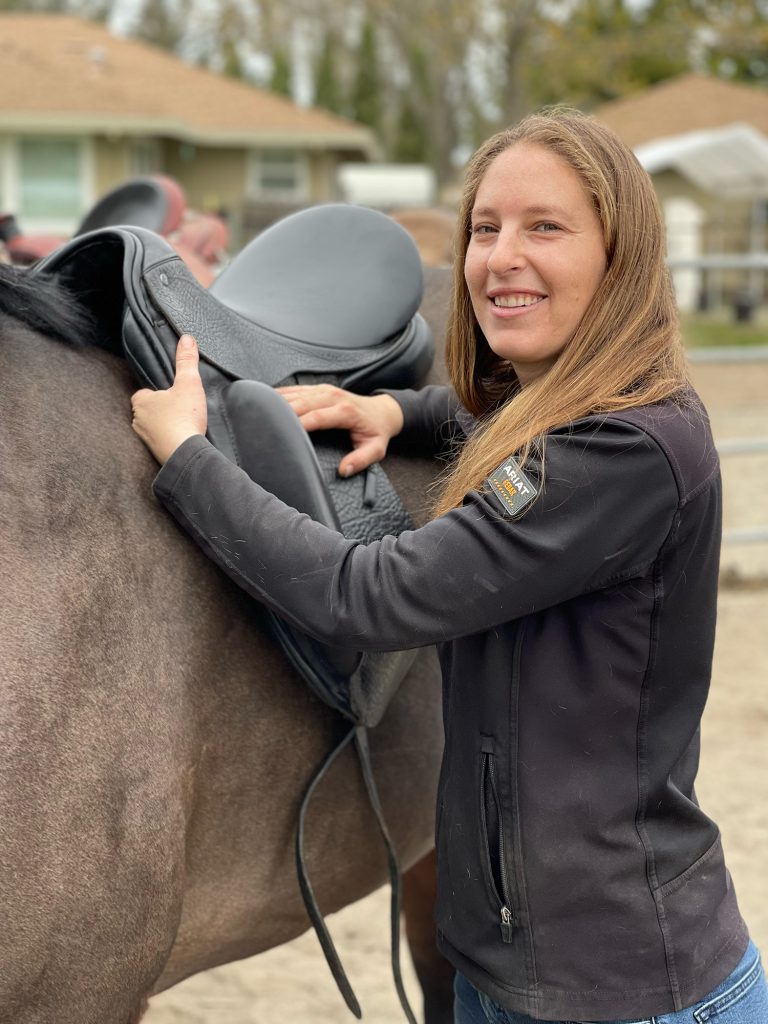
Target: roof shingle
x,y
63,71
684,104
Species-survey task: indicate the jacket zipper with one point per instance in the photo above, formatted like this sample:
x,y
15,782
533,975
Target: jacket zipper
x,y
507,918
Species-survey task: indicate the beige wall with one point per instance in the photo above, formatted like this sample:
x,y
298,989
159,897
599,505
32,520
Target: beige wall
x,y
213,179
726,223
726,229
670,185
112,160
322,176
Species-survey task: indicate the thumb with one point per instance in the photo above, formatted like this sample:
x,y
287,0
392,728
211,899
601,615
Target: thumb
x,y
187,357
361,458
138,396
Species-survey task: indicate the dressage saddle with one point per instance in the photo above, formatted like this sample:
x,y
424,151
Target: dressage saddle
x,y
329,294
155,202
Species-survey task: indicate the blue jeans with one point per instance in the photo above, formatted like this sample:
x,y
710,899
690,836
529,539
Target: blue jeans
x,y
741,999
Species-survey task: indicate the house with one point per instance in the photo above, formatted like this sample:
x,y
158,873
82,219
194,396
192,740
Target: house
x,y
671,112
684,104
82,110
704,141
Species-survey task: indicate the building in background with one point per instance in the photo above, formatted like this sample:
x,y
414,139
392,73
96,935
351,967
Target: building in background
x,y
82,110
704,141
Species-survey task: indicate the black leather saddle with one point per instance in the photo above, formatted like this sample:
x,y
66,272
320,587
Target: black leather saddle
x,y
156,203
329,294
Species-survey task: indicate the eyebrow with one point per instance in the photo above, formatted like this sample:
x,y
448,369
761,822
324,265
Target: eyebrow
x,y
535,211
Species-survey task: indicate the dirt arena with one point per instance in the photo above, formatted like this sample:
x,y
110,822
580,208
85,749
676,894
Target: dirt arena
x,y
293,982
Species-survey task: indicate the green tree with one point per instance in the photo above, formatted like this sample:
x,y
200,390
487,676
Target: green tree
x,y
327,90
737,42
410,144
365,101
607,49
232,66
159,25
281,80
428,44
231,32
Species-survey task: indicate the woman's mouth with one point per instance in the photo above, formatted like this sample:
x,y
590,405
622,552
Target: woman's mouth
x,y
517,300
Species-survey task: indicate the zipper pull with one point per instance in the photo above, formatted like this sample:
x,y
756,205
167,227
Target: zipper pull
x,y
507,924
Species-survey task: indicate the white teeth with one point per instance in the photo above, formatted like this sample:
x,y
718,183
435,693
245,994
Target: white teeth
x,y
511,301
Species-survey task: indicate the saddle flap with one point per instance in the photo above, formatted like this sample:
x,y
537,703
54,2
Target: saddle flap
x,y
258,430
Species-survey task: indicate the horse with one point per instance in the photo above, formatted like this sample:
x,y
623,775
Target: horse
x,y
154,741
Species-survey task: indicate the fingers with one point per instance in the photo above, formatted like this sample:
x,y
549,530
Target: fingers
x,y
363,456
312,393
304,397
187,358
335,417
323,406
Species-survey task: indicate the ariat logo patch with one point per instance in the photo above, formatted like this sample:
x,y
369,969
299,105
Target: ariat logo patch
x,y
512,487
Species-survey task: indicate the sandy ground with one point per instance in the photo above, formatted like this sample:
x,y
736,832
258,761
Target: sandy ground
x,y
293,982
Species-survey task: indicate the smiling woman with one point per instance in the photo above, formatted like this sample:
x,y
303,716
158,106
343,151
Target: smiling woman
x,y
622,350
574,609
532,265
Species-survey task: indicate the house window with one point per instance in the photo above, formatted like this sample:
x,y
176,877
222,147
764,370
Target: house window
x,y
49,178
145,158
279,174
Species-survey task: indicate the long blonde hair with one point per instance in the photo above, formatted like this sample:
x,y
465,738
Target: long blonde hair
x,y
626,350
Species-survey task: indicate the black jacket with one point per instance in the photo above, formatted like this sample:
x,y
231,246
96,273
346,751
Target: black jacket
x,y
578,878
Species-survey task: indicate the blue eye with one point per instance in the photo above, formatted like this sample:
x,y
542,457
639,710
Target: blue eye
x,y
547,227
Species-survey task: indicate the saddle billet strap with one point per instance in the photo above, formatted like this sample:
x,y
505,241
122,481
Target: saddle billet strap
x,y
358,736
363,753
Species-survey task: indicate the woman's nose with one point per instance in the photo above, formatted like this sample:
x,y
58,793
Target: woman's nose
x,y
508,253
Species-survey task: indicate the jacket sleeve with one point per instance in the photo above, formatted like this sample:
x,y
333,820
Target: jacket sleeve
x,y
433,419
607,504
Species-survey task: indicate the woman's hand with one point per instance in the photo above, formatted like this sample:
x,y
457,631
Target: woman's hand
x,y
372,420
163,419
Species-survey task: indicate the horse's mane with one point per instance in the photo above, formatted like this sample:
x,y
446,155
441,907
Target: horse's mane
x,y
43,305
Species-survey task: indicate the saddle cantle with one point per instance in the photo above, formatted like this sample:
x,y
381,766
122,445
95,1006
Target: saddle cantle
x,y
329,294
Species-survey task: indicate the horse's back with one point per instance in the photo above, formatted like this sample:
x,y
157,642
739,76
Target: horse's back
x,y
155,744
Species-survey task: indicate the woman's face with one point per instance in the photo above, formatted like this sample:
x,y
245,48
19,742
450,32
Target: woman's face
x,y
535,256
